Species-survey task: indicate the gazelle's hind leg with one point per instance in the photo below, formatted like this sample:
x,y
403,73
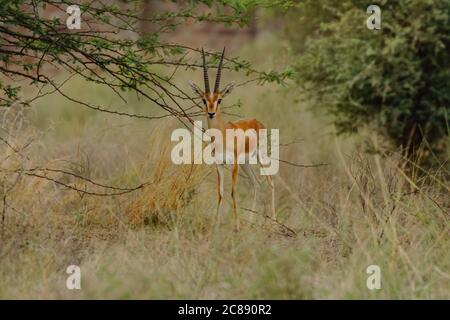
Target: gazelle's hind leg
x,y
254,182
219,190
272,190
234,177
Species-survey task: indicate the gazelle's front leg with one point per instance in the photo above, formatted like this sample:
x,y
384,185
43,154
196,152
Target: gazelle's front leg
x,y
219,190
234,177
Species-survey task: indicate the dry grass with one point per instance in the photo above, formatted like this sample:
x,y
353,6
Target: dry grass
x,y
161,241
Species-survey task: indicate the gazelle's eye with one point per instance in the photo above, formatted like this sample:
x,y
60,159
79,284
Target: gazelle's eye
x,y
219,101
204,101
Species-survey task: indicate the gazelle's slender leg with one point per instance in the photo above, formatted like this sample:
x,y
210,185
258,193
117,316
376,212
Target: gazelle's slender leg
x,y
219,190
234,177
254,182
272,189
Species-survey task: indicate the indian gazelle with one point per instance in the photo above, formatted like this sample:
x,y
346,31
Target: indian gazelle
x,y
212,107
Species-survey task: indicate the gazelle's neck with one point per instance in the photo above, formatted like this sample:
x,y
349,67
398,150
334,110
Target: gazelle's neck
x,y
216,122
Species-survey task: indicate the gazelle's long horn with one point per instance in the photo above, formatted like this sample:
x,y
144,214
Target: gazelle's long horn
x,y
219,72
205,73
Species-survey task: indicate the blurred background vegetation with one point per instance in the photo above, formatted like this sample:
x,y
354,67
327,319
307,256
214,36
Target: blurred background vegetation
x,y
85,170
395,78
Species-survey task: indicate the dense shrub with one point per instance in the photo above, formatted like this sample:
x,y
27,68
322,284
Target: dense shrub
x,y
396,77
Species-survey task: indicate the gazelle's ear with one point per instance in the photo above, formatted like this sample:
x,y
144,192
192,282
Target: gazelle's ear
x,y
228,88
195,88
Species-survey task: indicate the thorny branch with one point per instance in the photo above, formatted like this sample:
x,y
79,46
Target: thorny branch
x,y
110,50
41,173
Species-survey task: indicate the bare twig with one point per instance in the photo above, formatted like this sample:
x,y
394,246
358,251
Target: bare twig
x,y
289,231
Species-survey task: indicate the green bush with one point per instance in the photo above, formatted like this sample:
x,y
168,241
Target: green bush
x,y
396,77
